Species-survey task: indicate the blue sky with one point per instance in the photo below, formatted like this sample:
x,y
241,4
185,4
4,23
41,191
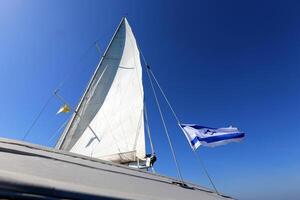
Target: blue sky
x,y
220,63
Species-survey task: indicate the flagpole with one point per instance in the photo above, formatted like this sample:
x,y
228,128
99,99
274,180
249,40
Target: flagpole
x,y
178,121
205,170
165,128
149,72
202,165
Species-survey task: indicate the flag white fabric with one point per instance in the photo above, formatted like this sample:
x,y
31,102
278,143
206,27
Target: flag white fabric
x,y
206,136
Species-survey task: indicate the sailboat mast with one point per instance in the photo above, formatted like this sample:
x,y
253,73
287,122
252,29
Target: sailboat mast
x,y
63,136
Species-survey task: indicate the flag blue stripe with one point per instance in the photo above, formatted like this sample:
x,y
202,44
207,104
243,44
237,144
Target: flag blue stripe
x,y
218,138
195,126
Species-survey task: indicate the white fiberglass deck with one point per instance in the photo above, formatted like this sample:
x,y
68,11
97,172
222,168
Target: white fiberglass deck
x,y
34,172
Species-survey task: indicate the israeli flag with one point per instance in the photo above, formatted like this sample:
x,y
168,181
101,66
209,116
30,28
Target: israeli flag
x,y
201,135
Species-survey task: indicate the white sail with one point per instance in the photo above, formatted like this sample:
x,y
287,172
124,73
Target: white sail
x,y
109,121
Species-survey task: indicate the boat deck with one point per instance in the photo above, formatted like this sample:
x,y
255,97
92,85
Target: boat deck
x,y
29,171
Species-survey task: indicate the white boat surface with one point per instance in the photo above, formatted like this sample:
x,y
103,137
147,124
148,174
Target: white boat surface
x,y
31,171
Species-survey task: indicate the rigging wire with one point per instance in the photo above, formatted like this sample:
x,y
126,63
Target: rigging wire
x,y
165,97
148,129
149,134
37,117
165,128
52,96
76,113
58,130
162,119
149,71
82,57
178,121
62,138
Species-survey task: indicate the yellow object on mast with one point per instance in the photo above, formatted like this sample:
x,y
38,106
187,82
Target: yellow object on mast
x,y
64,109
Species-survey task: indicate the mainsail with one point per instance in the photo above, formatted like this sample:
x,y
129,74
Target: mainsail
x,y
109,120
